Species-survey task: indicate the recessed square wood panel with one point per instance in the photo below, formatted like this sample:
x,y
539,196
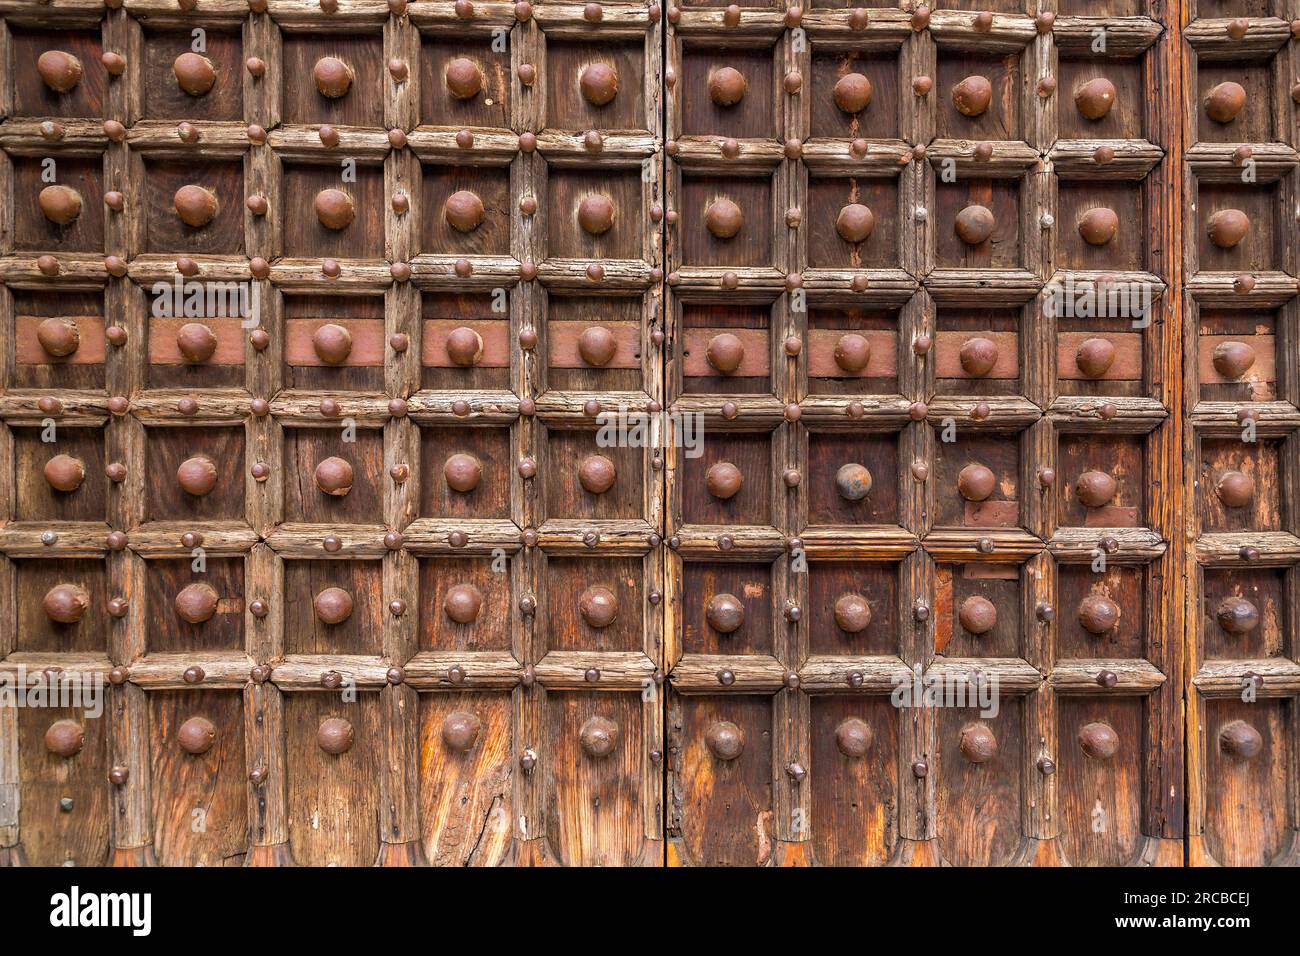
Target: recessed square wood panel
x,y
575,585
305,452
827,329
1124,118
53,836
304,233
878,119
567,105
1259,249
751,325
828,454
1246,797
964,596
31,97
836,590
966,340
443,192
750,245
1240,485
1254,122
978,802
164,230
753,116
1089,601
363,318
33,366
856,796
1220,341
443,448
1001,120
450,584
1100,804
573,335
1002,249
569,454
360,632
1085,206
977,481
574,194
830,202
221,581
36,631
163,96
1122,458
707,479
442,315
441,56
35,499
1244,613
32,230
361,105
169,368
1078,342
168,447
750,584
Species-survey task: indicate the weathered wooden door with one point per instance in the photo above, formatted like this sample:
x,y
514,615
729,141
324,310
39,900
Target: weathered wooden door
x,y
611,434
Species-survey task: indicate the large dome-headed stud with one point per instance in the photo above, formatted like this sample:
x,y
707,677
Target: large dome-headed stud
x,y
1235,489
197,475
853,352
976,482
1098,614
1094,99
464,211
725,614
853,737
59,337
1239,739
597,346
195,205
1227,227
723,480
1224,102
977,614
1098,226
598,736
852,613
725,740
1233,359
852,92
974,224
972,96
1098,740
196,603
1095,489
598,606
66,603
464,346
723,218
977,743
194,73
65,738
60,71
464,78
332,605
463,472
60,204
727,86
333,77
463,603
460,730
596,214
853,481
855,222
332,343
725,352
598,83
65,473
978,356
1236,615
196,342
197,735
334,736
1094,357
335,209
334,476
596,474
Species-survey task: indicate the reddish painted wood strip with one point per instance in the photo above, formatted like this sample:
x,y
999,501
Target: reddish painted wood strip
x,y
229,333
883,362
495,334
28,351
755,364
562,344
1128,355
367,340
947,357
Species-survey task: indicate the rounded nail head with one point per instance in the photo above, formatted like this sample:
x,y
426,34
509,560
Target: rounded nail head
x,y
597,346
972,96
1239,739
60,204
723,218
1233,359
64,473
596,474
725,740
1235,489
852,613
197,735
977,743
197,476
977,614
333,77
852,353
852,93
196,603
598,607
463,472
723,480
853,481
1236,615
463,604
1224,102
978,356
334,736
195,205
65,738
976,482
460,731
1095,98
333,605
598,737
1095,489
66,603
58,337
1098,614
598,83
974,225
464,346
1094,357
855,223
1098,740
725,613
1098,226
1228,227
727,86
725,353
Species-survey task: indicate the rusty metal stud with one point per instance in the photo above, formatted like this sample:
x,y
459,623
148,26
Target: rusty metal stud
x,y
796,772
723,218
118,607
119,775
977,614
528,760
1094,98
197,735
51,405
853,481
260,471
855,679
1044,612
985,546
334,736
196,603
725,740
458,539
852,351
852,613
730,410
727,86
463,603
195,205
527,605
1239,739
920,769
598,606
1098,226
596,474
1235,489
119,675
115,541
527,467
194,73
1108,544
463,472
65,738
726,678
259,608
591,675
792,412
54,131
59,70
791,477
598,736
725,352
976,482
59,337
1094,357
921,85
331,680
1236,615
1228,227
193,675
1106,679
1224,102
464,346
115,472
1098,614
920,471
460,731
1046,86
597,346
1243,284
192,539
1233,359
1098,740
336,211
972,95
333,77
852,93
48,265
1237,27
723,480
333,605
977,743
334,476
974,225
461,408
790,680
527,74
725,613
853,737
397,608
64,473
60,204
1095,489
